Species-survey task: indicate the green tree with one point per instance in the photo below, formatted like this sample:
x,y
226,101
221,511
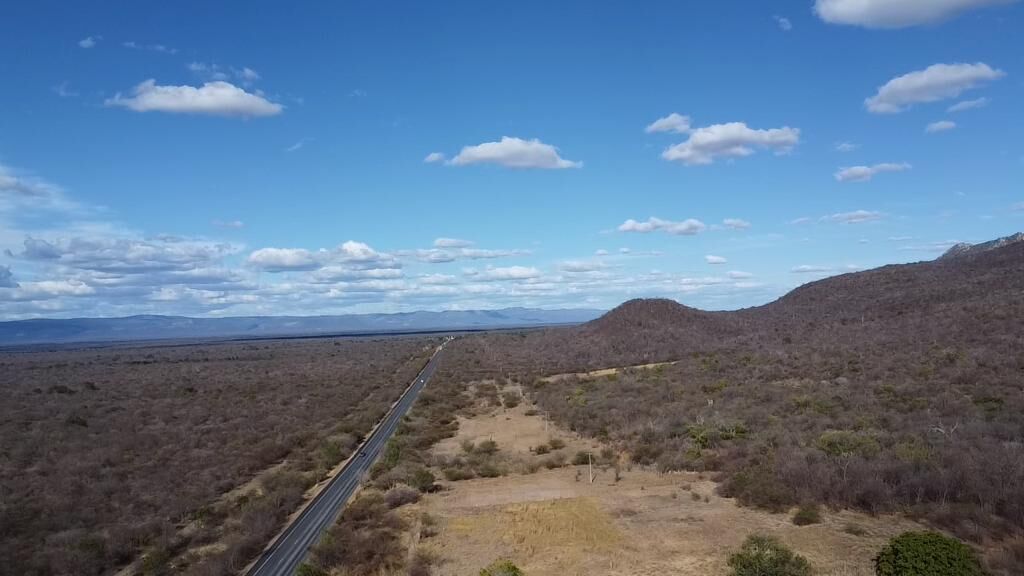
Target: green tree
x,y
927,553
766,556
487,447
423,480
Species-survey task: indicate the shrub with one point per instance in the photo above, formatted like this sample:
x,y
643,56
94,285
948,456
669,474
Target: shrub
x,y
556,443
420,564
456,474
423,480
758,486
541,449
366,540
488,471
468,446
807,514
554,461
487,447
855,530
428,526
842,443
309,570
925,553
766,556
502,568
510,399
400,496
155,562
581,458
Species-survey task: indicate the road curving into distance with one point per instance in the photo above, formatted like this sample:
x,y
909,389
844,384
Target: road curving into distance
x,y
283,557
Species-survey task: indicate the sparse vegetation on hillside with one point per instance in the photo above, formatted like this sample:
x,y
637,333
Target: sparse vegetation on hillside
x,y
896,389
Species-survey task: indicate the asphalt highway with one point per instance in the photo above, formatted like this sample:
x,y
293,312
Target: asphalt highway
x,y
288,551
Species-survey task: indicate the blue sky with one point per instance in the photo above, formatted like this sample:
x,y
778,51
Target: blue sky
x,y
197,158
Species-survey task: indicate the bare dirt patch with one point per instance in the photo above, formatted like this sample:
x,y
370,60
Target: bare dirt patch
x,y
604,372
515,432
556,522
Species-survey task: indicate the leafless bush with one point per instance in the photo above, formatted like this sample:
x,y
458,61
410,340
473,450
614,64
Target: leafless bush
x,y
400,496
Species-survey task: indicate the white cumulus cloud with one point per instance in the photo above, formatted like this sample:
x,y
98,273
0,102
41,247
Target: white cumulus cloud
x,y
151,47
451,243
731,140
89,41
865,173
712,259
855,217
514,153
508,273
934,83
895,13
968,105
235,224
940,126
580,266
434,158
810,269
687,227
736,223
284,259
214,98
784,24
674,122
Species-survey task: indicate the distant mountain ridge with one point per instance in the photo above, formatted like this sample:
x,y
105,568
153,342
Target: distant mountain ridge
x,y
965,248
155,327
973,299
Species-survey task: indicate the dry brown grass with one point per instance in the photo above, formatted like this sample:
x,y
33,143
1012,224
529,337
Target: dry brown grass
x,y
556,523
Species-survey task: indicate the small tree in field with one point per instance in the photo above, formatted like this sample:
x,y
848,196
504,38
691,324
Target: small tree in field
x,y
925,553
487,447
766,556
423,480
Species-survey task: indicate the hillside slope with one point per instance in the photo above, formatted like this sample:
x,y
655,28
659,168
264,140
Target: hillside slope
x,y
894,389
974,299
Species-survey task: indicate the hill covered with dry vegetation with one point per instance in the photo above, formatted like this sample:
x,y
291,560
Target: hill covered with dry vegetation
x,y
894,389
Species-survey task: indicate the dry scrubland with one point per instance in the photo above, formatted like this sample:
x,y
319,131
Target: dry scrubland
x,y
896,390
507,484
178,459
878,401
556,523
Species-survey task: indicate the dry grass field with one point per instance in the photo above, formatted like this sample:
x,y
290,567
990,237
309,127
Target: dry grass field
x,y
557,523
